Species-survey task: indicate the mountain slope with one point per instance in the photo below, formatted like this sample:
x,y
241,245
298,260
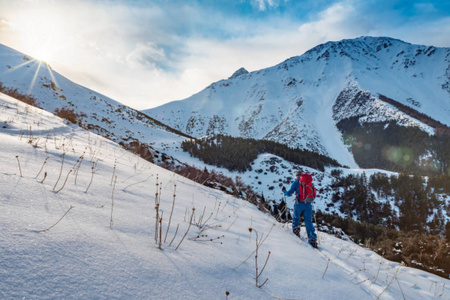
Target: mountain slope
x,y
294,103
65,237
93,111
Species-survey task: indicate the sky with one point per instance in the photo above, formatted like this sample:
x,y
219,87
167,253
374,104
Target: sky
x,y
144,53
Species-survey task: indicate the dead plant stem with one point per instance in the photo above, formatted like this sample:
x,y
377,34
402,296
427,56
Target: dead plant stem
x,y
190,222
111,222
171,211
64,181
60,171
57,221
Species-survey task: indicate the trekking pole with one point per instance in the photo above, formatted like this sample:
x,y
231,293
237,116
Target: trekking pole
x,y
285,211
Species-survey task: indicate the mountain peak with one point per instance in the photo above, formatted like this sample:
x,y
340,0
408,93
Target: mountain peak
x,y
361,44
239,72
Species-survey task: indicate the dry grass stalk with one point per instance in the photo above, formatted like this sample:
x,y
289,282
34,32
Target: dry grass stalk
x,y
198,223
362,281
262,242
114,171
30,135
443,290
45,176
35,142
18,161
77,165
57,221
378,272
392,280
157,210
214,225
350,254
175,235
224,206
171,211
60,171
160,231
64,181
45,161
190,222
92,176
401,290
137,183
328,262
204,238
111,222
257,272
203,226
218,208
232,223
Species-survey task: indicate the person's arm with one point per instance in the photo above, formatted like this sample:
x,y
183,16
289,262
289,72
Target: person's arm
x,y
293,188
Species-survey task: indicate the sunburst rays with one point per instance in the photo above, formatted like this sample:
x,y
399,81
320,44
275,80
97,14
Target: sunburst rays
x,y
34,77
29,63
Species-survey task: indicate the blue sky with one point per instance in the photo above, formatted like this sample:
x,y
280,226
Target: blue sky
x,y
144,53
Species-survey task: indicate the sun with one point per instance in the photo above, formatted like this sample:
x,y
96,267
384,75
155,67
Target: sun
x,y
42,35
42,53
41,42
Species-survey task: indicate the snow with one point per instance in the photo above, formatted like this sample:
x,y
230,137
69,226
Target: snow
x,y
86,256
54,91
291,102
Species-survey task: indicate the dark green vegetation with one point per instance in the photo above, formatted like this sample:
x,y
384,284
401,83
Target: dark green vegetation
x,y
414,235
397,148
439,127
237,154
372,199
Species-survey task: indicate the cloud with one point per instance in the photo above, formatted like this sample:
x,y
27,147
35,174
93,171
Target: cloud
x,y
262,5
341,20
145,56
137,51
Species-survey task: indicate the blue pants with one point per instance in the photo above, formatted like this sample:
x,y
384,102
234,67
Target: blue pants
x,y
305,209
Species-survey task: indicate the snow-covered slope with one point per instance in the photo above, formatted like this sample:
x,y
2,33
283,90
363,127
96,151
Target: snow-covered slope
x,y
95,112
78,222
294,102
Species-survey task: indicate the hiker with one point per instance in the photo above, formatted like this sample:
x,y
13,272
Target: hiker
x,y
304,194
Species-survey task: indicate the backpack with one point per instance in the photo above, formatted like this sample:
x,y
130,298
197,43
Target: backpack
x,y
307,192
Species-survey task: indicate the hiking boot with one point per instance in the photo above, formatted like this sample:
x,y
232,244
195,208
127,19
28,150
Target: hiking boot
x,y
297,231
313,242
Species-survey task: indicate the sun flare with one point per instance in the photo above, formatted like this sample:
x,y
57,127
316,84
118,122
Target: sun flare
x,y
42,35
42,53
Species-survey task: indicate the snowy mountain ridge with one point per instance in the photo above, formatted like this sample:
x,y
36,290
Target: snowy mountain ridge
x,y
93,111
294,102
353,102
256,102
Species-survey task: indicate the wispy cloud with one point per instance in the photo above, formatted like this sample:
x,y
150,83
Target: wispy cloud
x,y
265,4
145,56
145,53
